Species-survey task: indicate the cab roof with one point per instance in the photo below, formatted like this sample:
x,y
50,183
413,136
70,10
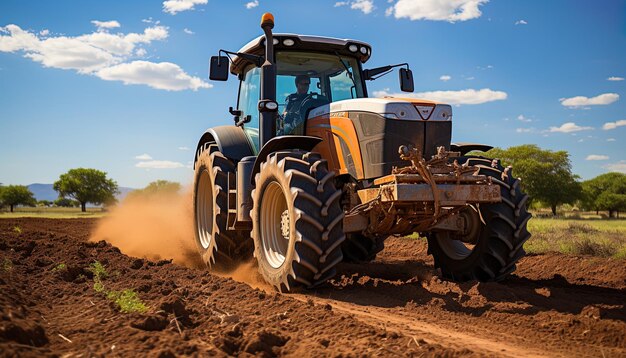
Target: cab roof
x,y
303,43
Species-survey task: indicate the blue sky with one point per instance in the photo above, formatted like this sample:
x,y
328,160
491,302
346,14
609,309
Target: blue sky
x,y
122,86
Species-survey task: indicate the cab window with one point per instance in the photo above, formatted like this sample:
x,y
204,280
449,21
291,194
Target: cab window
x,y
249,95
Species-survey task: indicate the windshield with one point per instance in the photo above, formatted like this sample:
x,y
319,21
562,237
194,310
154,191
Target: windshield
x,y
332,77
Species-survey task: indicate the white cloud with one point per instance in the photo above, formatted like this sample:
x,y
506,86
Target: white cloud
x,y
143,157
523,119
521,22
579,101
176,6
445,78
470,78
188,32
341,3
468,96
85,53
252,4
597,157
610,140
437,10
102,54
164,75
613,78
619,167
104,25
569,127
612,125
159,164
366,6
525,130
44,32
183,148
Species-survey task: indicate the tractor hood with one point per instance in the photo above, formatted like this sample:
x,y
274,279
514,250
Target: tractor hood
x,y
391,108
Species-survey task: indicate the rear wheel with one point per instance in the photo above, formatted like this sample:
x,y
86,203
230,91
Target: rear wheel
x,y
216,244
493,241
359,248
297,220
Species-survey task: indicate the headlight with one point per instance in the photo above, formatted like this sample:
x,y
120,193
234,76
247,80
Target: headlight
x,y
353,48
364,50
288,42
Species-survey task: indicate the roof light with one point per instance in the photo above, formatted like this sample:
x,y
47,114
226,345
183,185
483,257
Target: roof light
x,y
267,20
364,50
275,41
288,42
353,48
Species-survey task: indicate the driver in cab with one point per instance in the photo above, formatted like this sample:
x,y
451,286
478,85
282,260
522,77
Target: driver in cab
x,y
293,120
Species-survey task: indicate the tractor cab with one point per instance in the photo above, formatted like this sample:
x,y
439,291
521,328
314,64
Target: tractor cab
x,y
310,72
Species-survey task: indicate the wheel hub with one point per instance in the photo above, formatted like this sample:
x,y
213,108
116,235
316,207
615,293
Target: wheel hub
x,y
274,225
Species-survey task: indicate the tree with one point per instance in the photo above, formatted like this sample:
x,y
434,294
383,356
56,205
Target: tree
x,y
44,203
17,195
66,203
86,186
546,175
605,192
157,188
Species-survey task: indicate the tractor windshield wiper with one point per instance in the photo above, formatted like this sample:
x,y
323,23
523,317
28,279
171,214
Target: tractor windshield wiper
x,y
346,67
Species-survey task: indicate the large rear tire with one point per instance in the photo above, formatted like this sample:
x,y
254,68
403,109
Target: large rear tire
x,y
216,244
359,248
497,243
297,220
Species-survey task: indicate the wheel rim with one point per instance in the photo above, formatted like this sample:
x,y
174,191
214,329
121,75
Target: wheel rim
x,y
457,246
274,225
204,209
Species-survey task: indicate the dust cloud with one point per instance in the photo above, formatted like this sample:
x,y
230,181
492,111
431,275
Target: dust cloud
x,y
154,227
160,226
248,273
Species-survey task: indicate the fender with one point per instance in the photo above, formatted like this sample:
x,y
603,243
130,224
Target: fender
x,y
465,147
280,143
231,140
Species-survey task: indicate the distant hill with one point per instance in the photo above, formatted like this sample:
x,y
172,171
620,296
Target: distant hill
x,y
46,192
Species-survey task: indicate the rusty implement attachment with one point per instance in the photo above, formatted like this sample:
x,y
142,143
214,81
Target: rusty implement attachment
x,y
423,196
448,194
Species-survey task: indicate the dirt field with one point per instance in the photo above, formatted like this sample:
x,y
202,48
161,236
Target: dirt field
x,y
554,305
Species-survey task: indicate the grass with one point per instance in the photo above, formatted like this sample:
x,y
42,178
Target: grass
x,y
127,301
594,237
52,213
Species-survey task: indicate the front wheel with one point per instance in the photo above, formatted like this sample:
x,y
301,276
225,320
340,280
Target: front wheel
x,y
216,243
297,220
494,239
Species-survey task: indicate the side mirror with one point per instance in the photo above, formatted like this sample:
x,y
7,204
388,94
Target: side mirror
x,y
406,80
219,68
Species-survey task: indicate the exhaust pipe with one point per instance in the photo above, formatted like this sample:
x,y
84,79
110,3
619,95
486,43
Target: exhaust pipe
x,y
267,125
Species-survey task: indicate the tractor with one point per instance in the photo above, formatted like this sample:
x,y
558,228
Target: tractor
x,y
307,178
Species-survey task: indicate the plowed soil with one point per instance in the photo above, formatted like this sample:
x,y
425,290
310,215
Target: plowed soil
x,y
554,305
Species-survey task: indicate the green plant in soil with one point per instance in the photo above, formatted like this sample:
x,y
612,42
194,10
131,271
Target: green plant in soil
x,y
127,301
17,229
59,267
7,265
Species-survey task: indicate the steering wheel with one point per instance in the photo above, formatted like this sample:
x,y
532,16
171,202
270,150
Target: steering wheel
x,y
312,100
